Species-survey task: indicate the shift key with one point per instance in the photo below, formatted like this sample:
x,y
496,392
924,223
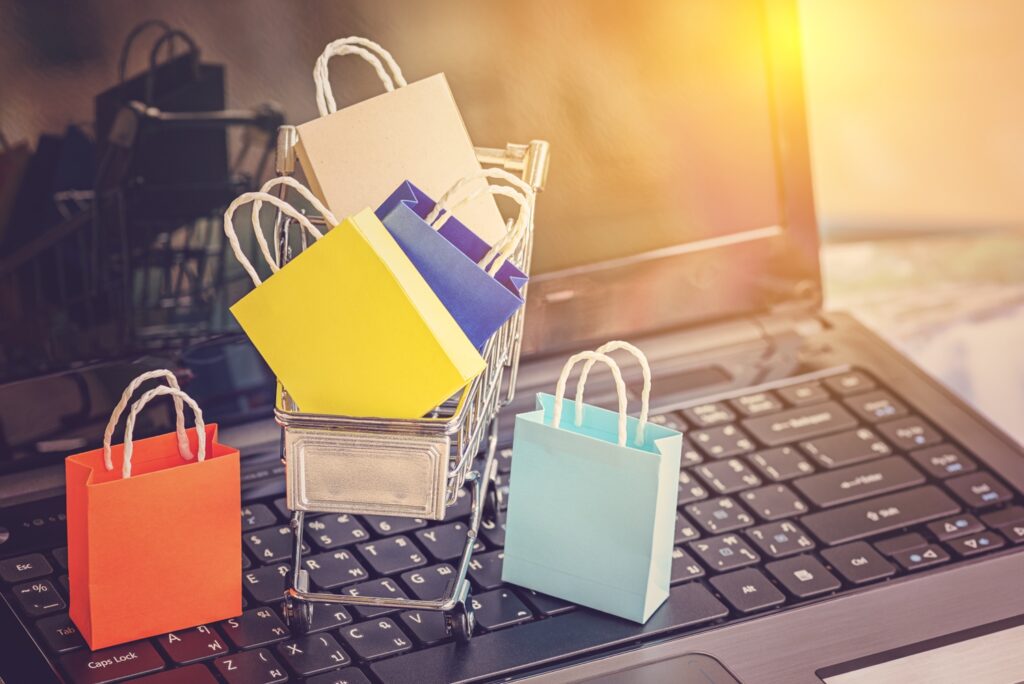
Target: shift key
x,y
112,664
800,423
878,515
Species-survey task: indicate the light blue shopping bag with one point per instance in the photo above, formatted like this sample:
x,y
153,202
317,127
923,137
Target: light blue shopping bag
x,y
591,514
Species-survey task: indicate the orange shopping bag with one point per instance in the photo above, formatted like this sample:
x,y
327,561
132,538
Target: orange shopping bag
x,y
153,546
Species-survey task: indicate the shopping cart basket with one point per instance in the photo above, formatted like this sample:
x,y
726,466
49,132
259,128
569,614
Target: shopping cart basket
x,y
407,468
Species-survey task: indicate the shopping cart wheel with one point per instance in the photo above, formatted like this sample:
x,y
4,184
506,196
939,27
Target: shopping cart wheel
x,y
492,502
460,620
298,614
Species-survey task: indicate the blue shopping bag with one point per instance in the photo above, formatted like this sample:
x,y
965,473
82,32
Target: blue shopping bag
x,y
592,501
476,283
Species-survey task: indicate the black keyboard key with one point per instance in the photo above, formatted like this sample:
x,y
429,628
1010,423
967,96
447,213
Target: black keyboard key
x,y
907,434
392,555
328,616
65,584
918,559
60,634
334,569
673,421
61,556
427,627
485,570
267,584
880,515
346,675
804,422
728,476
312,654
281,506
709,415
850,383
328,532
193,674
880,476
684,567
386,525
955,526
444,542
246,562
254,627
429,583
1014,532
757,404
690,456
774,502
804,393
979,490
1004,517
377,639
876,406
748,590
722,442
685,530
689,489
846,448
271,544
462,506
504,459
255,516
890,546
780,539
803,576
24,568
544,604
944,461
719,515
781,464
38,598
499,608
380,588
251,667
112,664
493,531
725,552
192,645
979,542
573,634
858,563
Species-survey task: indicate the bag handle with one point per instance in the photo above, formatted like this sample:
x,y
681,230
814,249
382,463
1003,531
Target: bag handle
x,y
257,205
179,414
169,36
370,51
459,195
126,468
620,388
285,207
645,397
133,35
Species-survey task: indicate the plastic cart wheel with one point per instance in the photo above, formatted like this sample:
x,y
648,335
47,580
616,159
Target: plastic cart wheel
x,y
299,614
492,501
460,620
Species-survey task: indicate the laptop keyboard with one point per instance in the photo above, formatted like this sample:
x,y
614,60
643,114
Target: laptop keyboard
x,y
786,496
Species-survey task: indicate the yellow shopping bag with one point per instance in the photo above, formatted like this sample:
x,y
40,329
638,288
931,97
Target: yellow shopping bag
x,y
357,155
349,326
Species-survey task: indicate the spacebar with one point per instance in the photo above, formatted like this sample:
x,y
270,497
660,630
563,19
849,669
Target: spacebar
x,y
542,642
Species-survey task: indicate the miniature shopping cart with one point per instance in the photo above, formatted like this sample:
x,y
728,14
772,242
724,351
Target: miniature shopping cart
x,y
409,468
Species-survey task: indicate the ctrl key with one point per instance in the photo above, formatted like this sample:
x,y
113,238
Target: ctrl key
x,y
112,664
251,667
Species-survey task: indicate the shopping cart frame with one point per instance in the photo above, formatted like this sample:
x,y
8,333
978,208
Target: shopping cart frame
x,y
458,425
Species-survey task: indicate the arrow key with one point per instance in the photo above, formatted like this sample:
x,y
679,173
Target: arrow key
x,y
917,559
981,542
955,526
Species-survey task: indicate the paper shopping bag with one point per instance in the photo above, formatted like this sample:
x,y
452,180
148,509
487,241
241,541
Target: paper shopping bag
x,y
454,262
153,545
610,479
350,327
357,155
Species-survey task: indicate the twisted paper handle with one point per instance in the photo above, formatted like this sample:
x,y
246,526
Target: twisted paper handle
x,y
179,414
645,397
620,388
370,51
126,467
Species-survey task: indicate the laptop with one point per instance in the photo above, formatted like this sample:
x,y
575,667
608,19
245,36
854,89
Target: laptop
x,y
842,518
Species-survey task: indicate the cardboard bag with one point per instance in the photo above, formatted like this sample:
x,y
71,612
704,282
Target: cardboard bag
x,y
478,285
612,480
349,326
357,155
153,546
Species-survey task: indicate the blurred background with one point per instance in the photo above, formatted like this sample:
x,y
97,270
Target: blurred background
x,y
915,115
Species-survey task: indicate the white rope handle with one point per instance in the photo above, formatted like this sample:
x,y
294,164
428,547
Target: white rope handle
x,y
179,414
257,205
645,397
620,388
126,468
229,230
370,51
463,183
